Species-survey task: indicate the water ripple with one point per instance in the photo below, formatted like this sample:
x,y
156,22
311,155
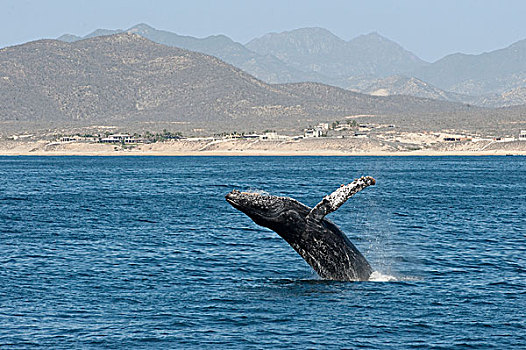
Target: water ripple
x,y
143,252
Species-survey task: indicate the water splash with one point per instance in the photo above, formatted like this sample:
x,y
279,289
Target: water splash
x,y
380,277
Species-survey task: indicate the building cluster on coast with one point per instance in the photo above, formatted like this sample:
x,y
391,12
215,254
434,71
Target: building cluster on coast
x,y
319,130
339,136
335,130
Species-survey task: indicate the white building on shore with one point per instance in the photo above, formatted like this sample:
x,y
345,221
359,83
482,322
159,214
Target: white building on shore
x,y
119,138
313,132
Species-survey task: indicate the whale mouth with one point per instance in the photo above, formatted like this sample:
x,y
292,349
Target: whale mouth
x,y
231,200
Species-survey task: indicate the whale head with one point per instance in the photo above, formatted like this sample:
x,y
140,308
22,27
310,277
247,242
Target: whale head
x,y
268,211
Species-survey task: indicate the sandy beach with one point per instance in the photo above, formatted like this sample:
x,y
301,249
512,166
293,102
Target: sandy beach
x,y
307,147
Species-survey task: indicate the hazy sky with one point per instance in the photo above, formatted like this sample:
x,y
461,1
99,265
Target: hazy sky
x,y
430,29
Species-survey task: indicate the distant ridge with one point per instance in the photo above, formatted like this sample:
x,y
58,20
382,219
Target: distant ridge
x,y
315,54
318,49
264,67
356,57
493,72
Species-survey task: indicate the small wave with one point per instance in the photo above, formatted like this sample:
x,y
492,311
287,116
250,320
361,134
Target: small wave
x,y
380,277
146,220
13,199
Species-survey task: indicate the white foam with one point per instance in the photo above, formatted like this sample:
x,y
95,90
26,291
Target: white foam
x,y
380,277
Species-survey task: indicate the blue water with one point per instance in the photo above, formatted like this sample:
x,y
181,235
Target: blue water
x,y
144,252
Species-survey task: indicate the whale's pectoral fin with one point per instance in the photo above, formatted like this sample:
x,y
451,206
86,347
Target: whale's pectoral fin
x,y
336,199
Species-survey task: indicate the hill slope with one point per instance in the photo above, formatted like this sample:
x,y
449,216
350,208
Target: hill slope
x,y
402,85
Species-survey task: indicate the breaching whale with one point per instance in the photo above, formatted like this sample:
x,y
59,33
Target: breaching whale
x,y
319,241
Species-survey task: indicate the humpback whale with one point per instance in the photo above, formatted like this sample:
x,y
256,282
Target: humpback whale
x,y
316,239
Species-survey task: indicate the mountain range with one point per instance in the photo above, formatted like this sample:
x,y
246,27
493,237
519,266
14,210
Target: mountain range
x,y
129,81
265,67
367,63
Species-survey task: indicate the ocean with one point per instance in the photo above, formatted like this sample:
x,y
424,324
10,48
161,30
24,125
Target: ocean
x,y
144,252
